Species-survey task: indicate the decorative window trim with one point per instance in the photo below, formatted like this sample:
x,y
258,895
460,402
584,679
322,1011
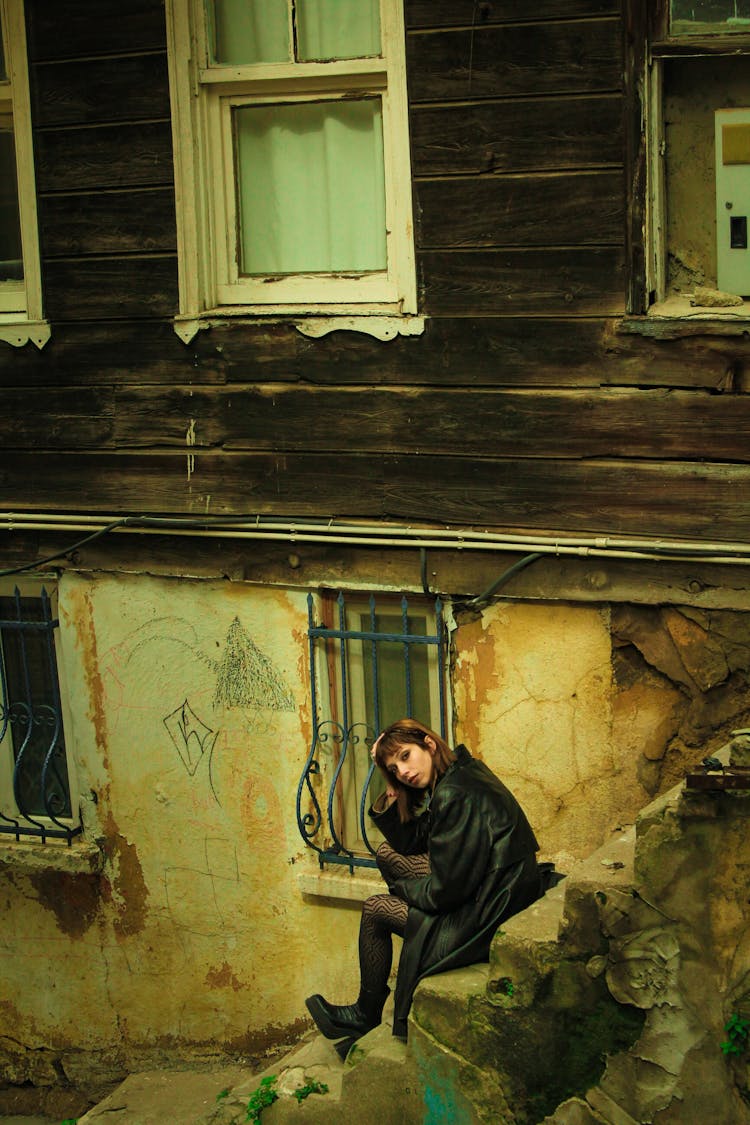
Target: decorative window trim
x,y
197,94
26,323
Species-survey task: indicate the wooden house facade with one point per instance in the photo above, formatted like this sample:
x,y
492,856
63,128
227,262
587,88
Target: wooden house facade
x,y
553,400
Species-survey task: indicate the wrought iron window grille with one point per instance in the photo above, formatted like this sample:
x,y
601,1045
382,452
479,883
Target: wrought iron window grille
x,y
339,779
33,764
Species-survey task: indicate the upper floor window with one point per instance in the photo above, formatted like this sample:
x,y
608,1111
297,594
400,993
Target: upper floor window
x,y
701,17
20,281
292,156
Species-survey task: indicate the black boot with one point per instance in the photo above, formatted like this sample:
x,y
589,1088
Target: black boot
x,y
349,1021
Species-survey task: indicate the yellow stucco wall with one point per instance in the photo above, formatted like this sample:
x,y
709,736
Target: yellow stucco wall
x,y
189,722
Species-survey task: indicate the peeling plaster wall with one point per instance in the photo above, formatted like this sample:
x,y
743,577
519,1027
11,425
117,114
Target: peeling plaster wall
x,y
588,713
189,703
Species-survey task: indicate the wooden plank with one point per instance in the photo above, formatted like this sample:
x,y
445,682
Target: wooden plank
x,y
454,351
515,136
582,281
138,154
75,29
603,498
94,91
60,418
547,210
78,355
186,483
95,288
471,13
614,497
656,424
560,58
108,222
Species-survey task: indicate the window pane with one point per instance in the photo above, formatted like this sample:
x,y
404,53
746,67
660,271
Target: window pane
x,y
11,265
249,31
311,187
32,705
705,16
337,29
392,671
3,67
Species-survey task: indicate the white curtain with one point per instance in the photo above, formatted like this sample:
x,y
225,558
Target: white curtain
x,y
337,29
250,31
311,187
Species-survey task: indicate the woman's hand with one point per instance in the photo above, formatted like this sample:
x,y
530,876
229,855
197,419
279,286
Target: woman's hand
x,y
374,747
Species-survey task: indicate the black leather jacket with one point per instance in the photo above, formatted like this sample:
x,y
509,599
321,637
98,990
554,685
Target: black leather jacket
x,y
483,869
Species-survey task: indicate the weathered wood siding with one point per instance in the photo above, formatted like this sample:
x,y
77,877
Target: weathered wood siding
x,y
523,405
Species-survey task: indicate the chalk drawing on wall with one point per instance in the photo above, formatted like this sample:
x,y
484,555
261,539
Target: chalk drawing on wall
x,y
203,900
245,677
192,737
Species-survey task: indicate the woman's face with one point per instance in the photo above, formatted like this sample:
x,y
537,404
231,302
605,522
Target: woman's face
x,y
413,764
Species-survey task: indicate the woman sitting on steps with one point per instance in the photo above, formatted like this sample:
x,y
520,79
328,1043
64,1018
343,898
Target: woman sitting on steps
x,y
460,858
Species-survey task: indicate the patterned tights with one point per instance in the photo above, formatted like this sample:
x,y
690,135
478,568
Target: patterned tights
x,y
385,915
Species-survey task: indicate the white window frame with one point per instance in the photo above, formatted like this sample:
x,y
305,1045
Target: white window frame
x,y
31,587
202,98
21,317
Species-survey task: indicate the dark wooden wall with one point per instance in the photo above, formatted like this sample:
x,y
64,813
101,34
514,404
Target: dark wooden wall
x,y
525,404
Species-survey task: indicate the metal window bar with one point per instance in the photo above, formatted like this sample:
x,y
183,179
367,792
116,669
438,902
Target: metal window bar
x,y
31,728
349,732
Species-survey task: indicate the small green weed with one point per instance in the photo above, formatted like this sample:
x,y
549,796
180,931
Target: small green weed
x,y
311,1088
738,1031
222,1094
70,1121
505,985
265,1095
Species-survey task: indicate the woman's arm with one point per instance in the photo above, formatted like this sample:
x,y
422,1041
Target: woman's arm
x,y
459,847
409,839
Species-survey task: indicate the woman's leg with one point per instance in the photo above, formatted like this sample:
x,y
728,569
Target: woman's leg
x,y
382,916
392,865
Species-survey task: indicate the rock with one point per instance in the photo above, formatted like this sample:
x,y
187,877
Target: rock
x,y
713,298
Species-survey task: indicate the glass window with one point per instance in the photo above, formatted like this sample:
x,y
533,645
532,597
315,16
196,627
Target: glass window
x,y
20,278
310,182
371,665
35,782
292,162
705,17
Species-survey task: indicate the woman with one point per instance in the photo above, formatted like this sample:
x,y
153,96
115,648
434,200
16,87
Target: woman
x,y
460,858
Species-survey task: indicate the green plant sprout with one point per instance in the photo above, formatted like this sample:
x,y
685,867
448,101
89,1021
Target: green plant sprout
x,y
738,1031
265,1095
222,1094
505,985
312,1087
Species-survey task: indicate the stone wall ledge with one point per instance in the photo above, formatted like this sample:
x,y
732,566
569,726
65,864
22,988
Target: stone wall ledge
x,y
82,857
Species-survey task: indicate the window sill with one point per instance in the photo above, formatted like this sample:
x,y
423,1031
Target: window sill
x,y
20,332
381,325
347,888
79,858
676,317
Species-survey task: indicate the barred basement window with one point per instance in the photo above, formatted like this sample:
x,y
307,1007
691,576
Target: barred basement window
x,y
37,798
369,666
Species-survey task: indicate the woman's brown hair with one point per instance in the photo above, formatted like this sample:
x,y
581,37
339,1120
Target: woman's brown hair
x,y
399,734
